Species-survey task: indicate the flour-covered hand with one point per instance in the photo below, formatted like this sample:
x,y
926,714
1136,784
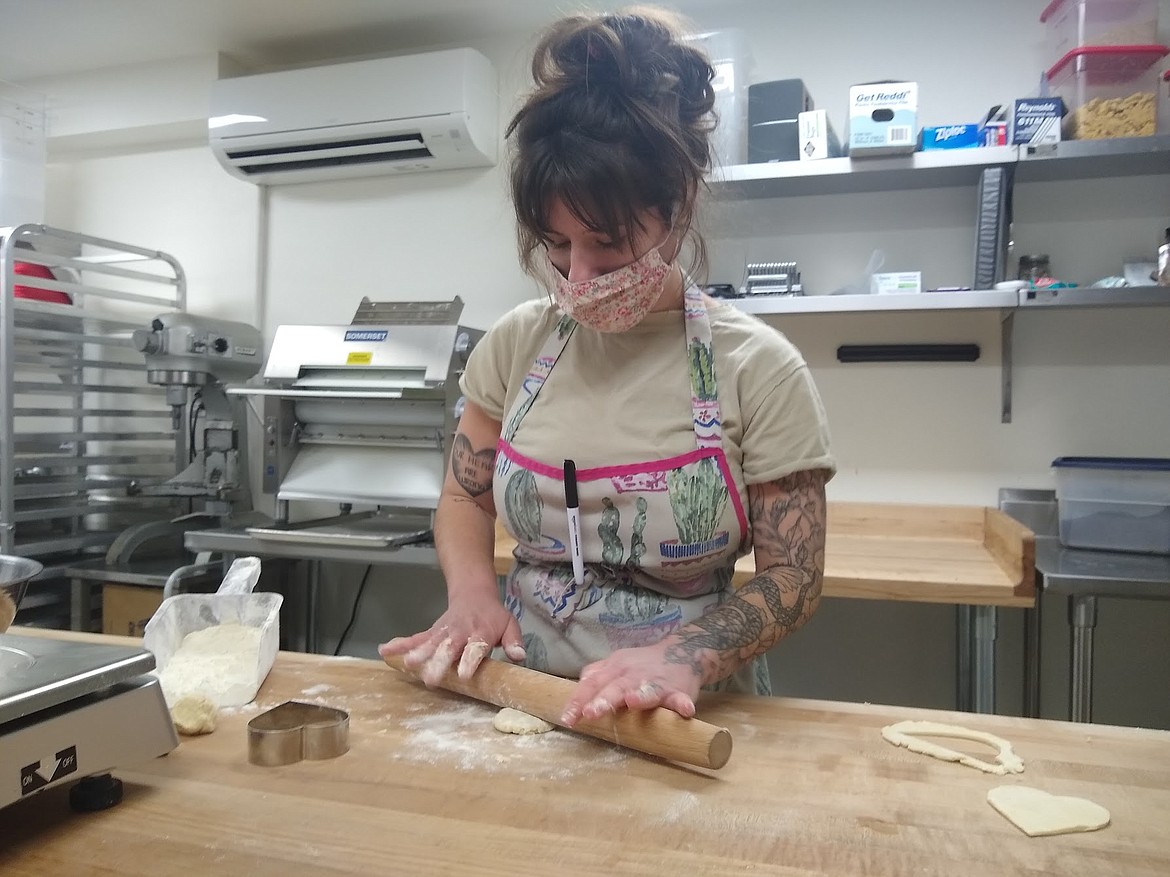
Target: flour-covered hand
x,y
464,636
633,679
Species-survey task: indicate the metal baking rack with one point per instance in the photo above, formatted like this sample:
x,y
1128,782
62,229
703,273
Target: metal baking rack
x,y
79,423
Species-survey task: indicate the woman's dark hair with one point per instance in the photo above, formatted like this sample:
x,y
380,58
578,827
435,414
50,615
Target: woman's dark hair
x,y
619,122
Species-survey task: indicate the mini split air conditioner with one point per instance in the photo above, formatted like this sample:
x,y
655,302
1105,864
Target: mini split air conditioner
x,y
425,112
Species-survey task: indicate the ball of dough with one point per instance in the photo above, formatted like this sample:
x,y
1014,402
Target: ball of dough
x,y
194,714
511,721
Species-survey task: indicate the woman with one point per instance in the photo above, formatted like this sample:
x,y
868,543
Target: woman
x,y
696,431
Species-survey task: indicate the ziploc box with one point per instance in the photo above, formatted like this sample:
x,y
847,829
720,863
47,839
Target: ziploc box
x,y
817,137
1036,121
951,137
883,118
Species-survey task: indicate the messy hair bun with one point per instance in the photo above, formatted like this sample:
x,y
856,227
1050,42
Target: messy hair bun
x,y
619,122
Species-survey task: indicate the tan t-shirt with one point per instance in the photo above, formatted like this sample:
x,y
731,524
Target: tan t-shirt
x,y
626,398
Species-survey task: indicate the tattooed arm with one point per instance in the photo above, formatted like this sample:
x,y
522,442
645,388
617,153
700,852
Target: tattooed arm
x,y
475,620
465,518
788,530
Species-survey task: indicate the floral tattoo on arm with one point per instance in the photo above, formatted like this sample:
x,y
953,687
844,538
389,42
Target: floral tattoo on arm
x,y
788,525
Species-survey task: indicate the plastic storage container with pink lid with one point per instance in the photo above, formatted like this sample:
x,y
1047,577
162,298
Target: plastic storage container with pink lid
x,y
1109,91
1164,103
1075,23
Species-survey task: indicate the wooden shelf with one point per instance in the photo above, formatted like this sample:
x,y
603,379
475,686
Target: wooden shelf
x,y
964,555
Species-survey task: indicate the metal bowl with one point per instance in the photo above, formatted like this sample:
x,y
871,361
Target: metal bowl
x,y
15,574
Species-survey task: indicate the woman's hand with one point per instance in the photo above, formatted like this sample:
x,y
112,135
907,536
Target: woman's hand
x,y
475,621
464,634
633,679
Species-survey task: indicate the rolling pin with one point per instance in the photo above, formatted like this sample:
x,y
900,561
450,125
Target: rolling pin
x,y
658,731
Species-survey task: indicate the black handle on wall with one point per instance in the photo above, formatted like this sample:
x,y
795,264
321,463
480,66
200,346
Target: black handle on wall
x,y
908,353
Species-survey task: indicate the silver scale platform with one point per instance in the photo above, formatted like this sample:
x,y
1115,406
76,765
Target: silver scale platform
x,y
75,711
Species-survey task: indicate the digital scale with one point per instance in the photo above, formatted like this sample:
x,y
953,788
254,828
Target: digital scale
x,y
73,711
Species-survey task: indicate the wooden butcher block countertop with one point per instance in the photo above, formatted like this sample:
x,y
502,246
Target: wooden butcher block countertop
x,y
429,787
919,553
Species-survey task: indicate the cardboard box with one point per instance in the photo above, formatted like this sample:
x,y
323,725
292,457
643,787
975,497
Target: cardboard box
x,y
951,137
898,281
883,118
127,608
817,137
1036,121
995,126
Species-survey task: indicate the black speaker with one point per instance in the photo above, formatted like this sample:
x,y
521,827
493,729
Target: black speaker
x,y
773,108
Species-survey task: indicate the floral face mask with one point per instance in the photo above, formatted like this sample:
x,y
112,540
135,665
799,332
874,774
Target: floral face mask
x,y
616,301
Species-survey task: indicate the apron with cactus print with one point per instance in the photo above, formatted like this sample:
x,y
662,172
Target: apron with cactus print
x,y
659,538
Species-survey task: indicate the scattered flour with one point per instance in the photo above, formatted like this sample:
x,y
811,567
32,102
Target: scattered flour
x,y
684,804
220,662
463,735
314,690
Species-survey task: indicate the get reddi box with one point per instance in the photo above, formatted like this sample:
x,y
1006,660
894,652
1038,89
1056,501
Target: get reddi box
x,y
883,118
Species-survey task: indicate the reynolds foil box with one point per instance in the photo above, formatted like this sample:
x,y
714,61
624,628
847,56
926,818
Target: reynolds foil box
x,y
883,118
1036,121
817,137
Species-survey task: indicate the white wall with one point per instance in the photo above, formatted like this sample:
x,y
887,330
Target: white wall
x,y
1088,382
178,201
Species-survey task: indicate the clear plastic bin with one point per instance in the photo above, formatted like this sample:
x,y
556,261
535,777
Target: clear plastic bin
x,y
1071,24
1108,91
1114,503
1164,102
732,61
233,603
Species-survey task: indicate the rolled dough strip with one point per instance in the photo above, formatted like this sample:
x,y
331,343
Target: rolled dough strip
x,y
909,734
1038,814
511,721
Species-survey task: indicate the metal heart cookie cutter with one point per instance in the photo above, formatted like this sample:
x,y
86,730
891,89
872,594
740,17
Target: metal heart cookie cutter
x,y
294,731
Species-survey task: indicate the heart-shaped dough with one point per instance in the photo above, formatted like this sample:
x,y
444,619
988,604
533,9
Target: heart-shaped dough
x,y
1038,814
910,733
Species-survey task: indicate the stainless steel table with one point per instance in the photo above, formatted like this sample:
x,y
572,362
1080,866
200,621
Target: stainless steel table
x,y
1083,576
151,572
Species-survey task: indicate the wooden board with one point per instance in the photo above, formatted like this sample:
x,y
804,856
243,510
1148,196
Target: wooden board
x,y
969,555
429,788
